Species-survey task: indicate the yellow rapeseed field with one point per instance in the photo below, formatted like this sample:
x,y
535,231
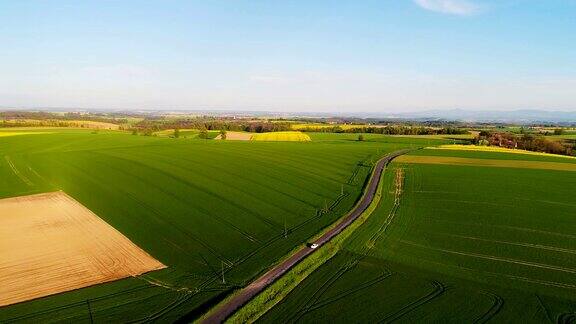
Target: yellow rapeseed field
x,y
5,134
281,136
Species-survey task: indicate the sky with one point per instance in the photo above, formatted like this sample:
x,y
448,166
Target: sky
x,y
295,56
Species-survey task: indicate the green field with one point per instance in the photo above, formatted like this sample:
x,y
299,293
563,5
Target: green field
x,y
461,244
420,140
569,136
184,133
195,205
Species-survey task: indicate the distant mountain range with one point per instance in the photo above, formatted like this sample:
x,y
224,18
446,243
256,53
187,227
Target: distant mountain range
x,y
524,116
515,116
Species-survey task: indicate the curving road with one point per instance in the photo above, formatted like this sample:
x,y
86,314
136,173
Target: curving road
x,y
247,293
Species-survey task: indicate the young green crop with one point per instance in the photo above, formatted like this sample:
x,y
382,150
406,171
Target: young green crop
x,y
202,207
465,244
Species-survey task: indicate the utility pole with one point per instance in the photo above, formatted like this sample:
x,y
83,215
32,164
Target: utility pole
x,y
223,280
341,190
89,310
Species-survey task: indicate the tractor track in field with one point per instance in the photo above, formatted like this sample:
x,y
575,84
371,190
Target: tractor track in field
x,y
319,213
257,286
566,318
497,258
319,292
399,187
237,262
497,304
32,315
438,289
347,293
544,308
22,177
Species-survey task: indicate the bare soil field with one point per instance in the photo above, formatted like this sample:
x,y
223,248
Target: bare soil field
x,y
236,136
50,243
542,165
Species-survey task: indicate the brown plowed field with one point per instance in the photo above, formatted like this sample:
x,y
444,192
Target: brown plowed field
x,y
50,243
236,136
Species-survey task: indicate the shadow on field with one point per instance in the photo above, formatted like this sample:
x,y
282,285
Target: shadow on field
x,y
204,308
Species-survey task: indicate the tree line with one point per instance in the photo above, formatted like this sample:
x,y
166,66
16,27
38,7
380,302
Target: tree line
x,y
389,130
529,142
149,126
22,118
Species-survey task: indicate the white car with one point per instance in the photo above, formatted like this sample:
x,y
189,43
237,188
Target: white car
x,y
313,245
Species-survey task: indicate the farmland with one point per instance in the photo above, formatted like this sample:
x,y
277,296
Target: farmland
x,y
6,134
241,136
59,123
281,136
184,133
478,148
307,126
50,243
200,207
456,243
236,136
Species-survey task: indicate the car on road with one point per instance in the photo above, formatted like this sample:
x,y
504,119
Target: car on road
x,y
313,245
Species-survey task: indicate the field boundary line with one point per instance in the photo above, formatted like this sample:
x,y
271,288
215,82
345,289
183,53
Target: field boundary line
x,y
364,206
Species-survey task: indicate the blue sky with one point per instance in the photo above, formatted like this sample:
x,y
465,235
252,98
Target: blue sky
x,y
340,56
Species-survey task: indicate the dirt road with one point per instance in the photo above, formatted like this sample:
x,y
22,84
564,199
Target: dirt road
x,y
224,311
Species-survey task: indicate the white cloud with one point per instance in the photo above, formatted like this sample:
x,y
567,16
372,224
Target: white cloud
x,y
451,7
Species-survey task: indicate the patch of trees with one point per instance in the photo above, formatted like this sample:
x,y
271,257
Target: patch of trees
x,y
154,125
203,134
527,142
